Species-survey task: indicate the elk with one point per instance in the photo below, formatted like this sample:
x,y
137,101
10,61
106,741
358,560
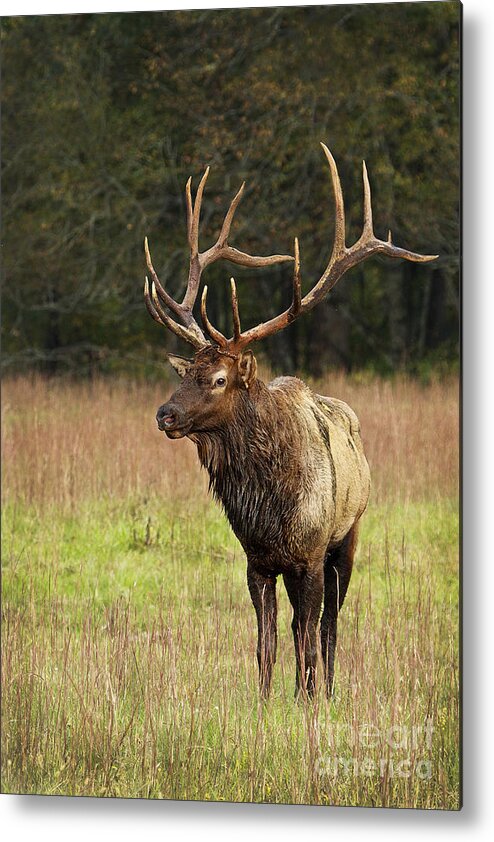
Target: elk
x,y
287,465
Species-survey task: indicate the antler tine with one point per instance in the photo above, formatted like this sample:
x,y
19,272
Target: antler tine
x,y
339,223
368,228
195,265
196,212
215,335
221,249
297,292
188,202
250,260
159,314
155,309
373,244
189,330
227,222
236,317
149,304
165,297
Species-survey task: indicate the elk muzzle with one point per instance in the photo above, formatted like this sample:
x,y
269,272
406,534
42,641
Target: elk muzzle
x,y
171,420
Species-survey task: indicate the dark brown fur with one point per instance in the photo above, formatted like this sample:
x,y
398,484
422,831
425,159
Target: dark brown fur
x,y
289,469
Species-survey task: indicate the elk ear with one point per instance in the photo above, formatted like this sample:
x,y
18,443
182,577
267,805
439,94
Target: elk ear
x,y
180,364
247,368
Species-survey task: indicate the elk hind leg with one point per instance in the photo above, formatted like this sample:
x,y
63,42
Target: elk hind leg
x,y
338,566
305,594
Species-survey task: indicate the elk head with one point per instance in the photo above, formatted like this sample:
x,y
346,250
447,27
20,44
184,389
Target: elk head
x,y
208,396
222,368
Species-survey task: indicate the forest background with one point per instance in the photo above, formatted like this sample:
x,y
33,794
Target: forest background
x,y
105,117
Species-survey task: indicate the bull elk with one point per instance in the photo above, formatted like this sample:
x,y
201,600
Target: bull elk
x,y
287,464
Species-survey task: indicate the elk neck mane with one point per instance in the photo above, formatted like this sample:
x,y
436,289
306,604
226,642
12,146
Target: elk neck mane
x,y
252,460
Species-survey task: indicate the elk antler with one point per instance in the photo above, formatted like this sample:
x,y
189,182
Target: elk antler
x,y
157,298
342,259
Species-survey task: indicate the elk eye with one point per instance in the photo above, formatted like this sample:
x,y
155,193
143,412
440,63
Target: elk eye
x,y
221,381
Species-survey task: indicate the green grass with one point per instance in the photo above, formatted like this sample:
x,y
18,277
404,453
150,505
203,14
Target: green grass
x,y
129,661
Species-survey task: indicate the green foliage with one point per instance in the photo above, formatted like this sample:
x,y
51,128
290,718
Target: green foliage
x,y
105,116
129,666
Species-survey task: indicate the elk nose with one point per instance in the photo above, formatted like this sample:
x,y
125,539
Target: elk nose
x,y
167,416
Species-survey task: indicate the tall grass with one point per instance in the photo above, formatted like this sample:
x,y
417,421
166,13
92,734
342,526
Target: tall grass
x,y
63,443
128,646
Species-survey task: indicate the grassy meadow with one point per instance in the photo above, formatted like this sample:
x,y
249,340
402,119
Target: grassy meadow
x,y
128,635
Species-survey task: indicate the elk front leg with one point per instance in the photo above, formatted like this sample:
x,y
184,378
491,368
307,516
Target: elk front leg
x,y
305,594
263,593
338,566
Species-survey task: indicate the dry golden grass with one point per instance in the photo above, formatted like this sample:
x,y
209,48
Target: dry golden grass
x,y
65,442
